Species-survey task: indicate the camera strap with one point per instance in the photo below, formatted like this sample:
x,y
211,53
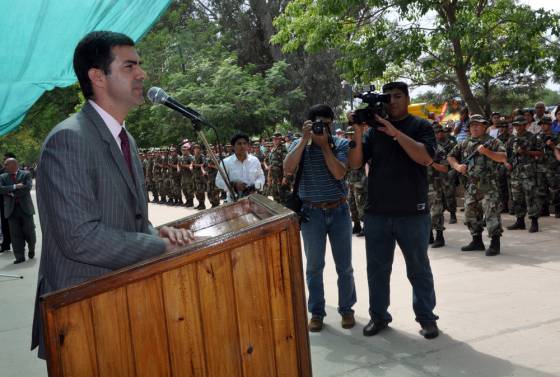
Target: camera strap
x,y
299,172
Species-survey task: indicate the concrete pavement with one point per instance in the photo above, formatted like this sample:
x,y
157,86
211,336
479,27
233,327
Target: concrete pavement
x,y
500,316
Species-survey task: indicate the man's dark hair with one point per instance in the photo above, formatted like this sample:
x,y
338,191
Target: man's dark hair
x,y
320,110
9,155
237,136
94,51
402,86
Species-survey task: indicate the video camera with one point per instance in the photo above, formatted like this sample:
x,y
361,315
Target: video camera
x,y
377,103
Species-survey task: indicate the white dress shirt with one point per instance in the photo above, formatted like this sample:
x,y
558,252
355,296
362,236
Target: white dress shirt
x,y
114,127
248,171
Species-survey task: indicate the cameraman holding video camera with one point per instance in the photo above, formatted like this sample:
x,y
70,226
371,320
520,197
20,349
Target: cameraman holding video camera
x,y
398,150
321,159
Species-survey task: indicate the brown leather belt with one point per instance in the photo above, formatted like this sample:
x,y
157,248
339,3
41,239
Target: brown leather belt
x,y
327,205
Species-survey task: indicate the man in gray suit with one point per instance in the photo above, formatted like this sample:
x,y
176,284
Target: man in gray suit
x,y
90,185
15,187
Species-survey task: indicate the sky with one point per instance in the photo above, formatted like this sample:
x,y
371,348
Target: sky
x,y
535,4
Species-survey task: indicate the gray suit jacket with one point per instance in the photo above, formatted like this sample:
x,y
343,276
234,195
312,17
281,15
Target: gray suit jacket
x,y
11,194
93,213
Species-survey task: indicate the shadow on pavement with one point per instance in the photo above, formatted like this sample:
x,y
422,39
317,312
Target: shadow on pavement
x,y
337,352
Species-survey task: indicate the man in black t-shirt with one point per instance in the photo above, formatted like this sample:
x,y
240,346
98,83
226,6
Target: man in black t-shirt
x,y
398,151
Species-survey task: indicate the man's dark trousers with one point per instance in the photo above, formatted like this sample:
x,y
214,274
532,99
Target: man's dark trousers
x,y
22,229
411,233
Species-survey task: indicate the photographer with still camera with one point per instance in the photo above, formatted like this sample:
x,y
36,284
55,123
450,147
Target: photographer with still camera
x,y
243,169
321,159
398,150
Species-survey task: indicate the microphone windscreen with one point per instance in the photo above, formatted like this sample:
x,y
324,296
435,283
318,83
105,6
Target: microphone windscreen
x,y
157,95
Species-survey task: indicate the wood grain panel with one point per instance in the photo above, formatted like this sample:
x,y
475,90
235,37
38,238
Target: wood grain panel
x,y
148,328
112,334
219,316
298,300
184,327
253,309
281,305
76,340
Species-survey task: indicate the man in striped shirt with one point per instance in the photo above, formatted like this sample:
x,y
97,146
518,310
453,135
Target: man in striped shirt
x,y
323,191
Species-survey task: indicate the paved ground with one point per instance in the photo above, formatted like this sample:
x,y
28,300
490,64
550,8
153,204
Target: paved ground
x,y
500,316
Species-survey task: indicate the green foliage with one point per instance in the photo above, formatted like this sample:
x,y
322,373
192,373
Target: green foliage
x,y
193,65
471,45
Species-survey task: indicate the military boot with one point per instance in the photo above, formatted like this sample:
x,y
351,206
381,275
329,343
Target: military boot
x,y
494,248
439,241
557,211
452,218
476,244
357,227
519,224
431,241
534,225
189,203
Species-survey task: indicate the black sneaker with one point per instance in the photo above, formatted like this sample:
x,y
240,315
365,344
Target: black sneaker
x,y
374,327
429,330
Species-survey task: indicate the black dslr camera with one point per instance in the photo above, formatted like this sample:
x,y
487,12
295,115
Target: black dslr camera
x,y
376,105
318,127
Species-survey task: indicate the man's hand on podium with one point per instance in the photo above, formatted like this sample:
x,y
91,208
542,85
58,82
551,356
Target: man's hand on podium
x,y
175,237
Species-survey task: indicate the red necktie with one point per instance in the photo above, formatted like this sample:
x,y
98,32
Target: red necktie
x,y
125,147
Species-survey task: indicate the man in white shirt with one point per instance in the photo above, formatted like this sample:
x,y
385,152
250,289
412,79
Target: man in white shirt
x,y
243,169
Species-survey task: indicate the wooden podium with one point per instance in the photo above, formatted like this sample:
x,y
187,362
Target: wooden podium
x,y
232,303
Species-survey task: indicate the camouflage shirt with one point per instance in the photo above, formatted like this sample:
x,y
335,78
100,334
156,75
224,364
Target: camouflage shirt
x,y
549,161
275,161
524,166
482,172
185,165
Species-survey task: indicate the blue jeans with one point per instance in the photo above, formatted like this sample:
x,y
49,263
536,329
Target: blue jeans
x,y
411,233
337,225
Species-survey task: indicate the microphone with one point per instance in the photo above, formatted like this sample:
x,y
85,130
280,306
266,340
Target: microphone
x,y
158,95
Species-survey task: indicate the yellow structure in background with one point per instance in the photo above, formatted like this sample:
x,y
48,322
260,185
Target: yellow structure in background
x,y
441,111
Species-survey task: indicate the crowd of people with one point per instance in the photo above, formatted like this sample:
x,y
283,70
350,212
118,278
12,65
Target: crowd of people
x,y
508,164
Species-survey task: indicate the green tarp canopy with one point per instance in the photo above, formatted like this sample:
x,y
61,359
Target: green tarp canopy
x,y
38,41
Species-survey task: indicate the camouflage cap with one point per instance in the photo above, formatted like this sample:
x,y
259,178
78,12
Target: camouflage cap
x,y
546,119
277,134
518,120
196,146
477,118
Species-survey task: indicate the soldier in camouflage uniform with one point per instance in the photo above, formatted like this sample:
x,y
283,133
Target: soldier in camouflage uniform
x,y
503,173
144,161
437,175
199,175
524,148
449,179
357,191
157,175
150,174
476,158
175,173
278,185
213,190
185,167
549,181
167,178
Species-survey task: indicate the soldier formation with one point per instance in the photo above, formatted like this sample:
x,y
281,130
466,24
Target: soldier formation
x,y
503,169
177,175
